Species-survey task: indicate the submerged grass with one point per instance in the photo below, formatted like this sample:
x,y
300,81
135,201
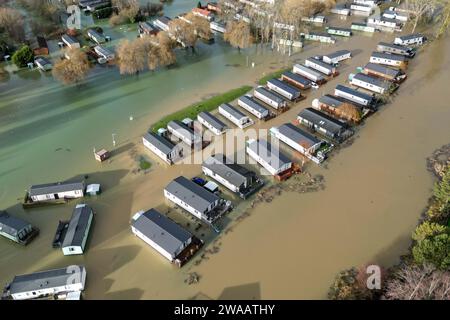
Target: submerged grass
x,y
207,105
276,74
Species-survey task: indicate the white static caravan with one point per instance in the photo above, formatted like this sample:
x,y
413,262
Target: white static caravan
x,y
70,41
396,49
268,156
411,39
296,138
378,21
162,23
308,73
395,15
162,147
161,233
78,230
337,56
366,9
318,36
252,106
104,53
337,31
388,59
47,283
353,95
361,26
371,83
284,89
235,116
217,27
212,123
269,97
95,36
372,3
184,133
43,64
315,19
320,66
58,190
341,11
16,229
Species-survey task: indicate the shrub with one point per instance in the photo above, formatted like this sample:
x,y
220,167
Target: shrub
x,y
23,56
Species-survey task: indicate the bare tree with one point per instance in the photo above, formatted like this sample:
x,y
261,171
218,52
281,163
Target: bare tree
x,y
72,70
420,9
166,45
201,25
184,32
238,34
11,21
131,56
128,9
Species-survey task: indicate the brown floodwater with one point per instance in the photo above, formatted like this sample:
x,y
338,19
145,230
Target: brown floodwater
x,y
292,247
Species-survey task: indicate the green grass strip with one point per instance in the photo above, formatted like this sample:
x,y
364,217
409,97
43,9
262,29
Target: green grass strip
x,y
276,74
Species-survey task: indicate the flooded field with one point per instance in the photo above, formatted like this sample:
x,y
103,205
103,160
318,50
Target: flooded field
x,y
290,248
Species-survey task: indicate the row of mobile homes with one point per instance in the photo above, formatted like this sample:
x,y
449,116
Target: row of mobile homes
x,y
380,71
337,56
296,138
340,10
70,41
371,83
344,32
362,26
212,123
55,191
162,23
203,13
315,19
268,156
336,106
164,235
104,53
358,97
217,27
162,147
396,49
78,230
37,285
252,106
319,36
385,23
296,80
308,73
389,59
43,64
232,175
235,116
96,37
322,123
321,66
411,39
146,29
363,8
193,198
395,15
16,229
181,131
284,89
269,97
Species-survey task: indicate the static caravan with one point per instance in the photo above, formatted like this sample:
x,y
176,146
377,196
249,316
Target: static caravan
x,y
321,66
344,32
212,123
104,53
384,72
235,116
411,39
337,56
269,97
396,49
16,229
78,230
95,36
335,105
315,19
162,147
69,41
371,83
217,27
319,36
395,15
308,73
43,64
146,28
284,89
204,13
252,106
162,23
321,122
378,21
268,156
364,8
58,190
161,233
341,11
296,138
184,133
389,59
361,26
372,3
296,80
354,95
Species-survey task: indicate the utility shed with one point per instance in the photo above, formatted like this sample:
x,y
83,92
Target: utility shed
x,y
78,230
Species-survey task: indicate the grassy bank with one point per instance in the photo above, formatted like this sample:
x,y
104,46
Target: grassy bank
x,y
276,74
206,105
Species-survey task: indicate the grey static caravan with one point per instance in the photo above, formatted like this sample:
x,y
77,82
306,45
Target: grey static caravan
x,y
384,72
362,26
395,15
104,53
344,32
212,123
43,64
47,283
354,95
337,56
284,89
296,80
146,28
58,190
319,36
269,97
411,39
308,73
15,229
296,138
321,66
367,9
371,83
321,122
95,36
340,10
268,156
396,49
378,21
78,230
69,41
184,133
162,23
252,106
388,59
162,147
235,116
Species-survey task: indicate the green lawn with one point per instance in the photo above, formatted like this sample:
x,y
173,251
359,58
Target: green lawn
x,y
276,74
207,105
